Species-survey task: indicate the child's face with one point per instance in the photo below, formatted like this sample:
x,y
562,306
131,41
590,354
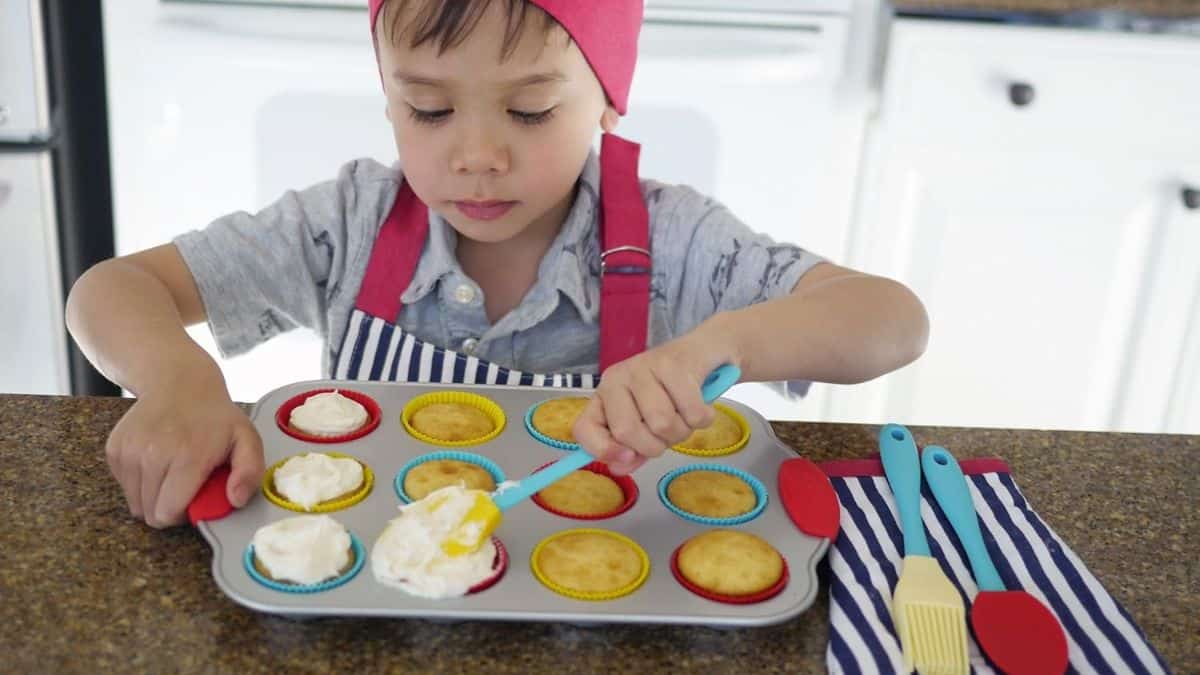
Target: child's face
x,y
493,145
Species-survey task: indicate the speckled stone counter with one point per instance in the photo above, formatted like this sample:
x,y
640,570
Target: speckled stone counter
x,y
85,588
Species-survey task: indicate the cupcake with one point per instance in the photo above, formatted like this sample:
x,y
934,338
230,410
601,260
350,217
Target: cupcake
x,y
316,481
712,494
589,493
555,418
435,474
328,414
302,550
453,418
590,564
728,433
730,566
408,554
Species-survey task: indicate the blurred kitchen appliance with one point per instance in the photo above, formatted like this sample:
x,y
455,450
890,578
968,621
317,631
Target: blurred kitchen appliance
x,y
55,197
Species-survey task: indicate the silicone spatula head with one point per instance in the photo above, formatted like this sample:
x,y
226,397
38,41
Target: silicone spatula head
x,y
484,515
1018,633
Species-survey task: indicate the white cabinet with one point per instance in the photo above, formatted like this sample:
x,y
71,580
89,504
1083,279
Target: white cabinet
x,y
1026,184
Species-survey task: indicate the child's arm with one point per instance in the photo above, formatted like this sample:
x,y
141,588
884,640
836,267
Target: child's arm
x,y
128,316
837,325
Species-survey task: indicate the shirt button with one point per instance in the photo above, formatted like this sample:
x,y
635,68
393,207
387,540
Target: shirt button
x,y
464,294
469,345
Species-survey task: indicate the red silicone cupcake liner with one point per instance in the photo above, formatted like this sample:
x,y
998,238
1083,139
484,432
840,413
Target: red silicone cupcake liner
x,y
628,487
500,566
748,599
284,414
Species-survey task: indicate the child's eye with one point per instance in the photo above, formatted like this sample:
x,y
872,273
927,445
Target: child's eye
x,y
428,116
533,118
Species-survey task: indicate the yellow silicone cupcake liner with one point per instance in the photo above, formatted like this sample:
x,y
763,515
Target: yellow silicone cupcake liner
x,y
727,450
493,411
591,595
268,488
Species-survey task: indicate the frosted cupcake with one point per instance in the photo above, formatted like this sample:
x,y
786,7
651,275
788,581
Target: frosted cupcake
x,y
302,550
328,414
317,481
408,554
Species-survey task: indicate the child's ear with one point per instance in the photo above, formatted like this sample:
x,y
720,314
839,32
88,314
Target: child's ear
x,y
387,112
608,121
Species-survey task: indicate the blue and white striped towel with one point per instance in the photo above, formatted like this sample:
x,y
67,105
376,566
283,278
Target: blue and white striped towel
x,y
864,564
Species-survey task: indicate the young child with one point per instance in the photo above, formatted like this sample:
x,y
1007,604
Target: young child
x,y
500,248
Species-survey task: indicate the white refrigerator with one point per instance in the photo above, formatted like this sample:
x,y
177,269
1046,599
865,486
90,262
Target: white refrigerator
x,y
55,194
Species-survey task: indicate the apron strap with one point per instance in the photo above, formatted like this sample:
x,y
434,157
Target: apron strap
x,y
394,256
624,262
625,258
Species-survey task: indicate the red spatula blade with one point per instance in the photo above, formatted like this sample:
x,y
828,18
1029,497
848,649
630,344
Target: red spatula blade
x,y
808,498
211,503
1018,633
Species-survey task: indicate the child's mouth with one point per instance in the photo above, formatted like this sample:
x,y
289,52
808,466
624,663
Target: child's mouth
x,y
489,210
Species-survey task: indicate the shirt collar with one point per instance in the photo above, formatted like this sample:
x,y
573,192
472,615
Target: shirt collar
x,y
567,266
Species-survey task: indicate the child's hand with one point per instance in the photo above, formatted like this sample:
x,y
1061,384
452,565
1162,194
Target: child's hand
x,y
164,448
647,403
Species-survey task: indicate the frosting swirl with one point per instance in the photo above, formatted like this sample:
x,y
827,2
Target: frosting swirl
x,y
328,414
408,554
316,477
303,549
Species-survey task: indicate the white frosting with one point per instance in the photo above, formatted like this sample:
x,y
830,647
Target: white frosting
x,y
316,477
303,549
328,414
409,556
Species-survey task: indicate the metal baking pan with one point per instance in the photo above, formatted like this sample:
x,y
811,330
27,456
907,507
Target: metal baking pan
x,y
519,596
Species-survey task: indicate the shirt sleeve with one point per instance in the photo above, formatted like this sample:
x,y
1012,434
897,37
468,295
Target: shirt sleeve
x,y
263,274
707,261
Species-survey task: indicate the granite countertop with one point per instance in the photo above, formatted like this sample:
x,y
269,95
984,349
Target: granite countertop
x,y
86,588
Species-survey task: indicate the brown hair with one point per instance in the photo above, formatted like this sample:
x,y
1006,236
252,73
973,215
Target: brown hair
x,y
447,23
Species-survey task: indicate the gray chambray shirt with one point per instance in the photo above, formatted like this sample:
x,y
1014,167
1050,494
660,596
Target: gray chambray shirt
x,y
301,260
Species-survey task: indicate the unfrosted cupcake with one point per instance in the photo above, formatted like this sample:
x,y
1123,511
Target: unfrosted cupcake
x,y
712,494
303,550
556,417
730,566
728,433
453,418
317,481
591,493
427,477
590,564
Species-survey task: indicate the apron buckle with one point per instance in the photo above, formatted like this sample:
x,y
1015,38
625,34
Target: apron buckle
x,y
624,269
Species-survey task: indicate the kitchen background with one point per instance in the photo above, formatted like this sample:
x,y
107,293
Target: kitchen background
x,y
1031,169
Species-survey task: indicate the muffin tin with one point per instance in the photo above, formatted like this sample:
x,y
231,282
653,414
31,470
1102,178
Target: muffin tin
x,y
799,519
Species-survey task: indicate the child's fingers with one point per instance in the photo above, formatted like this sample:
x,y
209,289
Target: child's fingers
x,y
626,425
591,431
180,484
154,468
129,475
621,468
658,412
247,465
684,390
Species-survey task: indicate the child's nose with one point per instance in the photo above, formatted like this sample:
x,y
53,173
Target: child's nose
x,y
480,152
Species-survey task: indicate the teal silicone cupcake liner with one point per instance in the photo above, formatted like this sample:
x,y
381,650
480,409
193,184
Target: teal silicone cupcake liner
x,y
552,442
360,558
470,457
760,495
